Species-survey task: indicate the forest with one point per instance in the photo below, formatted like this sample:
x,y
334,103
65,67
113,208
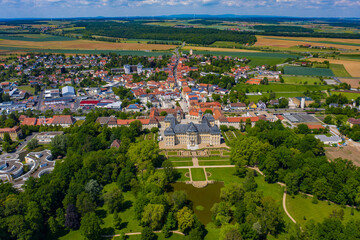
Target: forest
x,y
134,30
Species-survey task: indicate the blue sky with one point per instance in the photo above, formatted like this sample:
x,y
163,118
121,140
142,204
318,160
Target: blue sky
x,y
120,8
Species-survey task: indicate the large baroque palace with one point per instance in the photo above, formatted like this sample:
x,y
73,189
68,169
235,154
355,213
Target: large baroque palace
x,y
191,134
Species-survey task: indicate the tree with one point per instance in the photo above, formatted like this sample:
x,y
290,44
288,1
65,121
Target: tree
x,y
230,232
53,225
185,219
144,154
33,143
90,226
33,216
117,221
114,199
169,170
59,145
147,234
328,119
163,113
249,183
84,203
232,193
93,188
7,138
153,215
72,218
179,199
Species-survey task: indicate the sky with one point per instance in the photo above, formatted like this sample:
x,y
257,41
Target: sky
x,y
123,8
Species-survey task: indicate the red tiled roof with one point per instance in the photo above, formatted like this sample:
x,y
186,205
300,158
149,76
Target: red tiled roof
x,y
29,122
238,119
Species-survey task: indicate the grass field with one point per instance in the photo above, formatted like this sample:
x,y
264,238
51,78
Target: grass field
x,y
214,163
300,207
348,95
339,70
27,88
198,174
301,80
306,71
213,158
281,88
182,173
175,159
182,164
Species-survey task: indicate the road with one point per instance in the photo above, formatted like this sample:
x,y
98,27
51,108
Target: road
x,y
41,97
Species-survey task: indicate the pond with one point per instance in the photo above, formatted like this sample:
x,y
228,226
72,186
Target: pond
x,y
202,199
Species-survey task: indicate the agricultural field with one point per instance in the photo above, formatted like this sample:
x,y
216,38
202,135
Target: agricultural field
x,y
301,80
287,42
351,66
339,70
34,37
306,71
354,82
49,43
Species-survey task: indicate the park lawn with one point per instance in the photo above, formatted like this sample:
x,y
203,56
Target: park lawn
x,y
225,175
226,153
215,152
301,80
182,164
339,70
175,159
300,207
214,163
182,173
213,158
198,174
160,236
172,153
27,88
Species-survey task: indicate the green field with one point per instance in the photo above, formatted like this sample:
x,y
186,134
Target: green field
x,y
281,88
198,174
300,207
227,44
182,164
301,80
213,158
34,37
348,95
175,159
257,58
182,172
214,163
307,71
27,88
339,70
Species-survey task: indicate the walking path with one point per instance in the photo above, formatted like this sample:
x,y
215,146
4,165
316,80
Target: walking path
x,y
139,233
